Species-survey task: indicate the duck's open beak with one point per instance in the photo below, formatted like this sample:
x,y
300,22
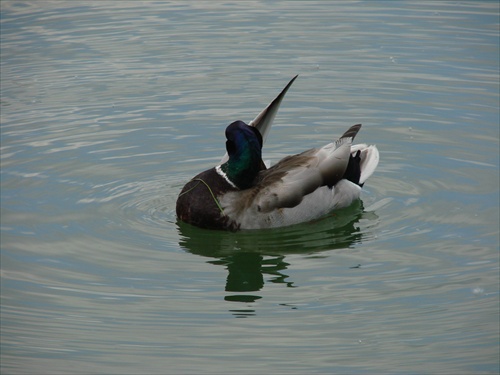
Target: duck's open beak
x,y
265,119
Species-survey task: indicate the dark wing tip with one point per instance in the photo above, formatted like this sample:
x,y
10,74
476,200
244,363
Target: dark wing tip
x,y
351,132
283,92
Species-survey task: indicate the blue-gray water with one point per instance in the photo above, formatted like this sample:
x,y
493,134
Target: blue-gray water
x,y
109,107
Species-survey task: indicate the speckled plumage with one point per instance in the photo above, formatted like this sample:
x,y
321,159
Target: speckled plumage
x,y
241,193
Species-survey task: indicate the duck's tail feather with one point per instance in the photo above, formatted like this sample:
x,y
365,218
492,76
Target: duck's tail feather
x,y
353,170
362,163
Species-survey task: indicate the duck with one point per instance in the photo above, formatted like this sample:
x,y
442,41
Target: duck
x,y
243,193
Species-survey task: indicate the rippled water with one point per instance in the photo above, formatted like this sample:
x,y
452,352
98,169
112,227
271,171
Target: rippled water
x,y
108,108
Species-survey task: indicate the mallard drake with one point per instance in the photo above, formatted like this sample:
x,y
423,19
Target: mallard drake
x,y
242,193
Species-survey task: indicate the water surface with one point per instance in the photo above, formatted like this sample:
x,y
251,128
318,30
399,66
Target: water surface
x,y
108,108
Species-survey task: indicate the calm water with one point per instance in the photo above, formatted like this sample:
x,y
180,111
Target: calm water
x,y
108,108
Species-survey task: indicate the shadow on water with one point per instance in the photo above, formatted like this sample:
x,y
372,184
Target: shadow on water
x,y
251,257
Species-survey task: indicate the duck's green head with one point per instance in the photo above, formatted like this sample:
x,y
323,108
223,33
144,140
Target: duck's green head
x,y
244,147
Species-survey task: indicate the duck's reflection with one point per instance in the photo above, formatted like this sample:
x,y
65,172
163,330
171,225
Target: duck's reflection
x,y
255,257
245,273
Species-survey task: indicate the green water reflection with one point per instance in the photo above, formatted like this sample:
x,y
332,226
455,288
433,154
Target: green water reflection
x,y
253,257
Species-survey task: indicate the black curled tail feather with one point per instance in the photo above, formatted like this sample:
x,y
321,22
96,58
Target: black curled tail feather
x,y
353,170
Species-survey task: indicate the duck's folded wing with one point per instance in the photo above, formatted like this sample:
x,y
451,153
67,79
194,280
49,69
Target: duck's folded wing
x,y
285,184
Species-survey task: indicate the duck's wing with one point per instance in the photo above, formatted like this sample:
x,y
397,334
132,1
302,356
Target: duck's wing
x,y
265,119
285,184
